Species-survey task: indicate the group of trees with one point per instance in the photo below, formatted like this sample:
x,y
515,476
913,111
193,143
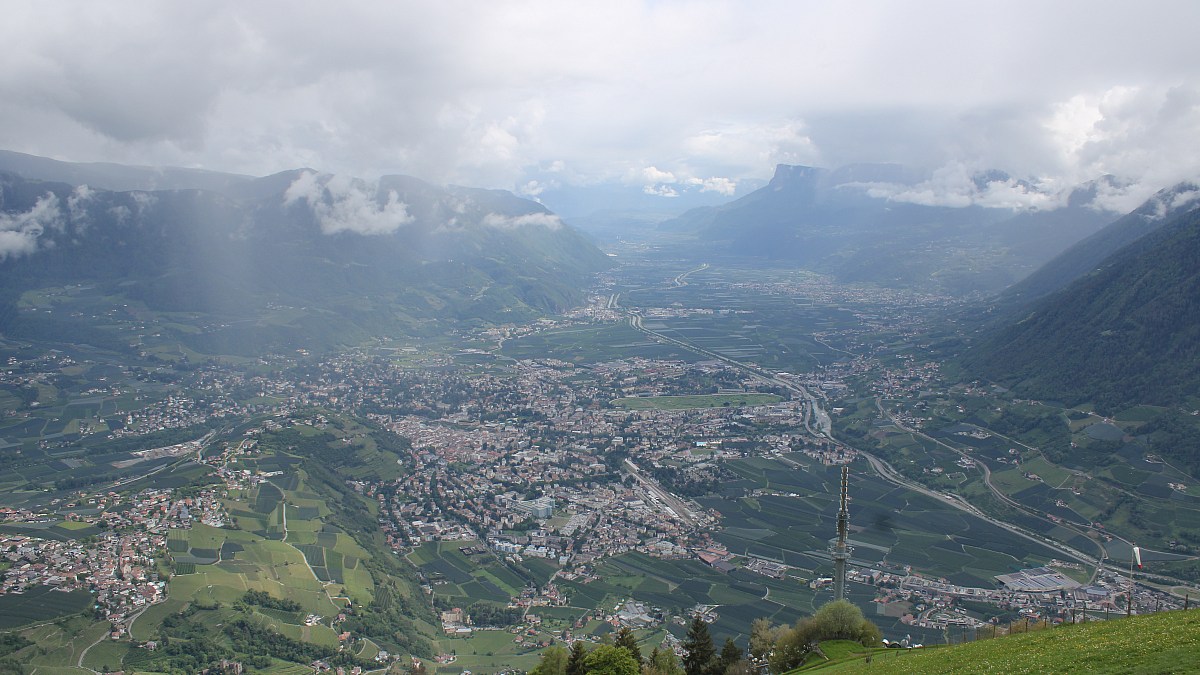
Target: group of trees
x,y
781,647
624,657
786,647
491,614
264,599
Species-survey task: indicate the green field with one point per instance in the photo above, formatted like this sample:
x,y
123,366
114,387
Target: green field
x,y
1156,643
691,402
464,579
40,603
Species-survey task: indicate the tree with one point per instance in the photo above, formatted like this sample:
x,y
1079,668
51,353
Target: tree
x,y
627,640
762,638
610,660
575,662
554,661
701,654
663,662
838,620
869,634
729,657
793,646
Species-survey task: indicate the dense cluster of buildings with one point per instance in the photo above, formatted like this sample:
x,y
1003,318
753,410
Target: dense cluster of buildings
x,y
119,539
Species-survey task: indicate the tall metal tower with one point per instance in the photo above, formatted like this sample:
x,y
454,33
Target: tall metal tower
x,y
840,549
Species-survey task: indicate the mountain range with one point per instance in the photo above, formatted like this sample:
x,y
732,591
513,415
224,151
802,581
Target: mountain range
x,y
1114,320
897,226
228,264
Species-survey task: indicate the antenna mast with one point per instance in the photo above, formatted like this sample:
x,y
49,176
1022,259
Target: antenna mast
x,y
841,550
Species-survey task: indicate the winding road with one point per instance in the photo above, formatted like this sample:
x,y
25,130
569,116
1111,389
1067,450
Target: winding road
x,y
815,414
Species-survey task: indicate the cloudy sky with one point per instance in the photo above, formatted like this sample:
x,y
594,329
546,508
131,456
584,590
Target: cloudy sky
x,y
516,94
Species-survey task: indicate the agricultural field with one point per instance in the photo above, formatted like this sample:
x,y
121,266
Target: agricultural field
x,y
890,526
40,603
461,579
285,544
729,318
793,524
59,645
584,345
1132,494
488,651
308,561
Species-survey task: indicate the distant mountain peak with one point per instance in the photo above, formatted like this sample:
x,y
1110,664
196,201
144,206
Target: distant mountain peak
x,y
1171,201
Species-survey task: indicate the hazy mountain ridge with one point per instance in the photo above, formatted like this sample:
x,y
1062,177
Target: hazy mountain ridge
x,y
894,225
1086,254
1127,332
118,177
350,258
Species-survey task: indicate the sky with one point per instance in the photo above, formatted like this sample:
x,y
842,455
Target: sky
x,y
666,95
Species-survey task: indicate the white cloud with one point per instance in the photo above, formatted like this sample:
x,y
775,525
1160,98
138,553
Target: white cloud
x,y
653,174
546,220
742,146
660,190
1187,198
20,232
532,189
480,93
959,185
1146,135
723,186
344,204
77,205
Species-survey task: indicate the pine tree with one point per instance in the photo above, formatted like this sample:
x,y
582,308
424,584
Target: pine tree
x,y
626,639
730,655
575,663
701,655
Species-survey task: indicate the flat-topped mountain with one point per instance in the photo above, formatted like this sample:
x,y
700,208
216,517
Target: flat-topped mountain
x,y
894,225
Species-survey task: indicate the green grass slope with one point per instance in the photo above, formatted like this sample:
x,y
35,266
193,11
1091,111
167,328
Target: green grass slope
x,y
1168,642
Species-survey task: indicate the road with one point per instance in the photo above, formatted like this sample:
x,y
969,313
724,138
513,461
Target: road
x,y
1097,562
680,280
881,467
204,441
83,654
813,412
987,481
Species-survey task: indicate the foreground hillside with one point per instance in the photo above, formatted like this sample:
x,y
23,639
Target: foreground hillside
x,y
1156,643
